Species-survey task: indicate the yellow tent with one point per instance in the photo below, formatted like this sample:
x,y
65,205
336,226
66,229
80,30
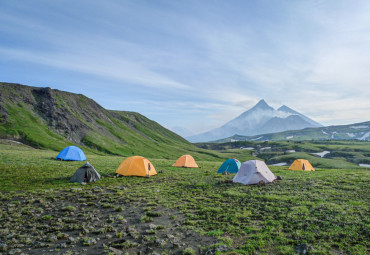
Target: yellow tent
x,y
301,165
185,161
136,166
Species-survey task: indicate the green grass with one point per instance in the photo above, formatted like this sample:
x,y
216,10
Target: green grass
x,y
328,208
343,154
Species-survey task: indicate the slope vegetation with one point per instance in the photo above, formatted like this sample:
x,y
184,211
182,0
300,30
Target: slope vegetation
x,y
52,119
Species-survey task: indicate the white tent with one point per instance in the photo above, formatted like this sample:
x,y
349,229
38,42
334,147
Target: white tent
x,y
254,171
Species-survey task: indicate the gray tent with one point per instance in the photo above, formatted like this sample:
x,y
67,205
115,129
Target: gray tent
x,y
85,173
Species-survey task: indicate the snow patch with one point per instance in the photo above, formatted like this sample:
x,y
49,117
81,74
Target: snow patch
x,y
265,148
351,135
321,154
364,165
365,136
324,132
247,148
280,164
281,114
290,151
256,138
358,127
289,137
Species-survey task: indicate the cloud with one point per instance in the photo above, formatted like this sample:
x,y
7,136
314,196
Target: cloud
x,y
197,63
96,64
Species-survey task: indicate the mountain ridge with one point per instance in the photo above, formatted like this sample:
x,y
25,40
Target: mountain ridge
x,y
54,119
261,118
355,131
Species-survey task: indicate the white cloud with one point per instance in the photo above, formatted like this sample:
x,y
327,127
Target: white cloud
x,y
96,64
207,66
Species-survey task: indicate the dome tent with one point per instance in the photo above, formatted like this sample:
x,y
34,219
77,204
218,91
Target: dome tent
x,y
301,165
86,173
72,153
253,172
136,166
185,161
231,165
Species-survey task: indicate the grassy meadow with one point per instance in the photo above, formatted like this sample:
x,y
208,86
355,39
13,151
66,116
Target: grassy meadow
x,y
178,211
343,154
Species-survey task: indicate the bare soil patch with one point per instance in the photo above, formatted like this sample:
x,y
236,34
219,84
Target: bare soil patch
x,y
93,221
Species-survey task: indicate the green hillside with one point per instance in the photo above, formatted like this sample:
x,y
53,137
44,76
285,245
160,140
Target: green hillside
x,y
342,153
52,119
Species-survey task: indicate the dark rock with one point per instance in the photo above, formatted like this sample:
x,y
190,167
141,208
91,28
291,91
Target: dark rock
x,y
90,241
279,177
3,247
14,251
71,240
52,238
40,245
304,248
115,251
62,245
261,183
151,226
160,242
221,248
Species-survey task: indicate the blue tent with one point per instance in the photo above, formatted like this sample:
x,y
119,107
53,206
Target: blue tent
x,y
71,153
231,165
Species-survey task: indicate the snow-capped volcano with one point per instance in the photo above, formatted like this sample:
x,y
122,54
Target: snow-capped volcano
x,y
260,119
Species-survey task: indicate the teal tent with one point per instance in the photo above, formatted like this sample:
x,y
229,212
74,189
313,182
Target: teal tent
x,y
231,165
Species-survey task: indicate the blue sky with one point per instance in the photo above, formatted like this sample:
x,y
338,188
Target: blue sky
x,y
195,64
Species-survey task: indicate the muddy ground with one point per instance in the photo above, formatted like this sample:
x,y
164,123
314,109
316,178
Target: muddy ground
x,y
94,221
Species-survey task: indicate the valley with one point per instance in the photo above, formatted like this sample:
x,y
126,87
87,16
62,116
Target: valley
x,y
178,211
342,154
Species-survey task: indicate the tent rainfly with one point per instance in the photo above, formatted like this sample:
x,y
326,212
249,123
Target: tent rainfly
x,y
136,166
185,161
72,153
301,165
253,172
85,174
231,165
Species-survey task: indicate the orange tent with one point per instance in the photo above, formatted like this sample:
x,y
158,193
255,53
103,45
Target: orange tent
x,y
185,161
301,165
136,166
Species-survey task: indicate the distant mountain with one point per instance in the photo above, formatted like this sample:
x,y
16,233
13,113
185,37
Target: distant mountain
x,y
357,131
260,119
53,119
285,108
